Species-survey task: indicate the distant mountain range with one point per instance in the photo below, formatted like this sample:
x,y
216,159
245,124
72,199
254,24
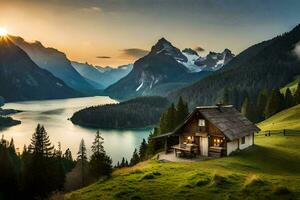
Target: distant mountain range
x,y
22,79
266,65
57,63
166,69
104,76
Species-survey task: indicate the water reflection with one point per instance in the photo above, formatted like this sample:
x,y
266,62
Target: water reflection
x,y
54,115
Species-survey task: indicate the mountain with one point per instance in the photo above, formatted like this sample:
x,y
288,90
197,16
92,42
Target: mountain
x,y
269,64
211,62
55,62
214,61
157,73
104,76
21,79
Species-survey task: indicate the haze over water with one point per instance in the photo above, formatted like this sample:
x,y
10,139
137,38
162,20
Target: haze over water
x,y
54,115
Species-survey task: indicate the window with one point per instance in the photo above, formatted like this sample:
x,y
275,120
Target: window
x,y
243,140
201,122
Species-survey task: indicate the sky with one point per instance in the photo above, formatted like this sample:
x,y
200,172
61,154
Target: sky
x,y
117,32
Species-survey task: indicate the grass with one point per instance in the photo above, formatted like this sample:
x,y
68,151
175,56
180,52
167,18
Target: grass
x,y
269,170
292,85
286,119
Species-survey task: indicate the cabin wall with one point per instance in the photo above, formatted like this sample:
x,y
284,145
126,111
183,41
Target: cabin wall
x,y
232,146
237,144
248,141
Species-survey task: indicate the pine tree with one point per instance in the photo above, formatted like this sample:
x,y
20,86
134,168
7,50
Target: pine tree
x,y
100,163
297,95
170,118
81,157
182,112
42,171
135,158
163,124
123,164
245,107
275,103
40,142
143,150
289,99
68,162
261,105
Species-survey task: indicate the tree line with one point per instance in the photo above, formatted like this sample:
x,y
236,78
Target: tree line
x,y
267,103
41,169
135,113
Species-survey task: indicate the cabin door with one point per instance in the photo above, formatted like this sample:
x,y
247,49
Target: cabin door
x,y
204,146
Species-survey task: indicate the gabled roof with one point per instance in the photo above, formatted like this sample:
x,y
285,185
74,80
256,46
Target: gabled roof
x,y
226,118
229,121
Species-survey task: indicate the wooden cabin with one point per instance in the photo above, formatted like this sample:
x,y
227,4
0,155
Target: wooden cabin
x,y
212,131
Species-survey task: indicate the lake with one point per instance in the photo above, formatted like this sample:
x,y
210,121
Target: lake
x,y
54,115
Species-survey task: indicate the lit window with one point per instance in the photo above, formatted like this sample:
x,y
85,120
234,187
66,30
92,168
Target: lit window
x,y
201,122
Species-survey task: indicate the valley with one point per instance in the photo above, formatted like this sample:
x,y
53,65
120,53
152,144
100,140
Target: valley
x,y
147,100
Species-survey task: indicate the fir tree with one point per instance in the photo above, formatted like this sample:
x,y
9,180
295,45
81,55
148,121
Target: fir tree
x,y
289,99
143,150
135,158
275,103
171,118
81,157
182,112
100,163
40,142
297,95
261,105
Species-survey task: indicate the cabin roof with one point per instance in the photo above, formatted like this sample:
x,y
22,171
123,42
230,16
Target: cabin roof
x,y
226,118
229,121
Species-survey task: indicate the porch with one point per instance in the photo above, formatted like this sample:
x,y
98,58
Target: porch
x,y
171,157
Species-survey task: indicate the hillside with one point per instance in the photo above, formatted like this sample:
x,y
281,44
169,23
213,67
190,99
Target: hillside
x,y
21,79
270,170
286,119
248,73
292,85
55,62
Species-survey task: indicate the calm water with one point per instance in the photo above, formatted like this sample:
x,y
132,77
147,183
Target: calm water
x,y
54,114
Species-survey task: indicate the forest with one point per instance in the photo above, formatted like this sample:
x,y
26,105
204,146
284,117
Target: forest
x,y
136,113
41,170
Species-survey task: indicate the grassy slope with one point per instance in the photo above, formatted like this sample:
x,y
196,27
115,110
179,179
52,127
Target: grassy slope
x,y
286,119
292,85
253,174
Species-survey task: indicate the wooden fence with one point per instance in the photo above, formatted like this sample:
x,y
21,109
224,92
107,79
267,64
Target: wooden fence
x,y
284,132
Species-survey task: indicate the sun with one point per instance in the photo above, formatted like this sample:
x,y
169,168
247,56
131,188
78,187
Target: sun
x,y
3,31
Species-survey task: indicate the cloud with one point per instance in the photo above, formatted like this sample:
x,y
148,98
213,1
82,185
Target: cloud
x,y
296,50
135,52
92,9
199,49
103,57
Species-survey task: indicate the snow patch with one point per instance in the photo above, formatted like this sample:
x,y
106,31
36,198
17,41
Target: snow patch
x,y
190,63
140,86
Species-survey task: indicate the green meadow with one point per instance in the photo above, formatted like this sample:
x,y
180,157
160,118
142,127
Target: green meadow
x,y
269,170
286,119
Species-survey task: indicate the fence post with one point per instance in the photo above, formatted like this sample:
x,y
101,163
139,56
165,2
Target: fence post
x,y
269,133
284,132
